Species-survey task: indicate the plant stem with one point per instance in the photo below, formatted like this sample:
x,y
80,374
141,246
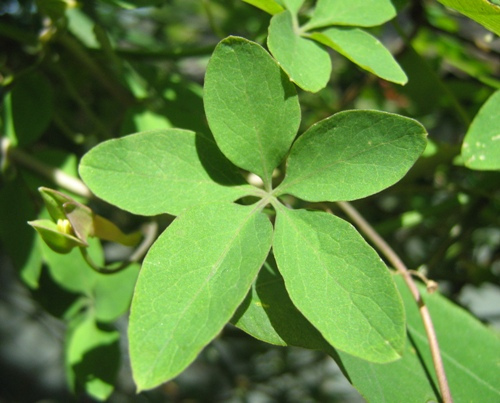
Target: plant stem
x,y
57,176
394,259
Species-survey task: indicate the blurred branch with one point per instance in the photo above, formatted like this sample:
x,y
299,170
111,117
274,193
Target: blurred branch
x,y
55,175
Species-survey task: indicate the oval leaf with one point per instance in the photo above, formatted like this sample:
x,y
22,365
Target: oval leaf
x,y
362,13
485,12
481,146
187,292
339,284
363,49
306,63
251,107
166,171
352,154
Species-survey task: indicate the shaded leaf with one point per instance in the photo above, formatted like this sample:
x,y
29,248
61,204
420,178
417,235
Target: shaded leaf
x,y
164,171
305,62
352,154
363,13
481,146
251,107
363,49
92,358
32,107
339,284
187,292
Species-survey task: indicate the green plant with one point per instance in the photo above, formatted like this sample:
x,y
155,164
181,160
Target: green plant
x,y
255,241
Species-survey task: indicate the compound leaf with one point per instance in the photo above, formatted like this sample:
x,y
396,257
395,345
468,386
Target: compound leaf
x,y
307,64
251,107
352,154
339,284
160,171
187,292
363,49
481,146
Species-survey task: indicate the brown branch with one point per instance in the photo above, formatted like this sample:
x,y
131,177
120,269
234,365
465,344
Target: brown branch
x,y
394,259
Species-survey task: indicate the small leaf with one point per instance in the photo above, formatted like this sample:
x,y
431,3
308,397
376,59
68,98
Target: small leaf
x,y
481,146
352,154
269,6
56,237
339,284
363,49
362,13
187,292
161,171
307,64
251,107
92,358
485,12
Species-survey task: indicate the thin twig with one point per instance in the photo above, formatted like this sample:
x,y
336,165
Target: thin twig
x,y
55,175
394,259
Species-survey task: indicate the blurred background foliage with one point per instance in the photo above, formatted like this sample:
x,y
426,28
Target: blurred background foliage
x,y
73,75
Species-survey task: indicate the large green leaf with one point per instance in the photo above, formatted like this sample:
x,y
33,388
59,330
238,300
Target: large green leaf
x,y
486,12
481,146
192,281
307,64
363,49
92,358
161,171
352,154
339,284
251,107
363,13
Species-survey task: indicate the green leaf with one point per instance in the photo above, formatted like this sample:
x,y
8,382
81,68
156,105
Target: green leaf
x,y
55,236
307,64
363,49
352,154
187,292
269,6
339,284
164,171
363,13
268,314
293,5
481,146
92,358
485,12
71,271
252,108
32,107
113,293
